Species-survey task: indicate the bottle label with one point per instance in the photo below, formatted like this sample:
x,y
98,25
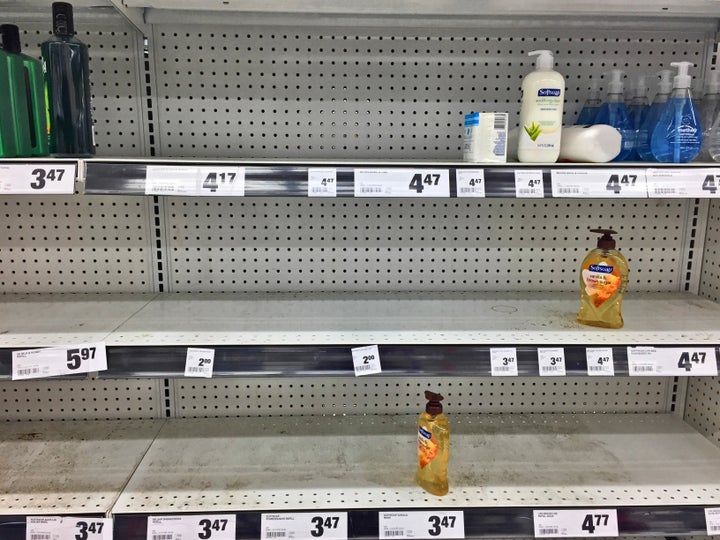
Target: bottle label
x,y
601,281
542,129
427,447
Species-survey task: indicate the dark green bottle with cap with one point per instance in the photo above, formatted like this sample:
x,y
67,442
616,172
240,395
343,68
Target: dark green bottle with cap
x,y
66,65
14,109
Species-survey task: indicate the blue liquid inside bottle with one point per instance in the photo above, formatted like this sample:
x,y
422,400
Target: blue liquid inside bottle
x,y
646,129
677,137
587,115
616,115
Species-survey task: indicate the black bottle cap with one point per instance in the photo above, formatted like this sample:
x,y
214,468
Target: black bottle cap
x,y
63,19
10,35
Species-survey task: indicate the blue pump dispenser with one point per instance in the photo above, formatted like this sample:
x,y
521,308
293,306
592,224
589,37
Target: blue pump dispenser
x,y
591,107
614,113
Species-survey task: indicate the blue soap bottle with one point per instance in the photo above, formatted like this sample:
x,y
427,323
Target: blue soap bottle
x,y
614,112
638,109
591,107
651,119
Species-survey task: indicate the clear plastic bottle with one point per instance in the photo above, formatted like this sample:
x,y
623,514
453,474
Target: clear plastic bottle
x,y
651,119
433,447
614,112
591,107
708,111
638,110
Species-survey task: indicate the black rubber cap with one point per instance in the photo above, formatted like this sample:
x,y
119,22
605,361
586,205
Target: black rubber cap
x,y
63,19
10,35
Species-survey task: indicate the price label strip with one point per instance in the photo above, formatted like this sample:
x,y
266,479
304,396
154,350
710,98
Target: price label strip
x,y
402,183
214,181
604,183
68,528
503,362
204,527
551,362
575,523
470,182
38,179
712,521
695,183
529,184
199,363
434,524
663,361
366,360
55,361
322,182
600,361
303,525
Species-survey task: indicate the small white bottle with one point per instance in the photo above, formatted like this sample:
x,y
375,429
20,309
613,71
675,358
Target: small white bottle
x,y
541,112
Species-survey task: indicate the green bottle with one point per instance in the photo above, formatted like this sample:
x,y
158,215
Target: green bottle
x,y
8,148
16,97
66,65
34,92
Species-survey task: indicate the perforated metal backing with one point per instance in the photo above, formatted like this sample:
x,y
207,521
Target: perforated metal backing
x,y
381,92
298,244
702,410
710,278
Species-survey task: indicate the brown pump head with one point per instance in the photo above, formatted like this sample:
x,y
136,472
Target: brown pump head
x,y
433,405
606,241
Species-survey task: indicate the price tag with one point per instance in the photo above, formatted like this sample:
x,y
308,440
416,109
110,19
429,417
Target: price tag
x,y
205,527
605,183
503,362
402,183
433,524
68,528
219,181
551,362
199,363
322,182
529,184
652,361
38,179
54,361
558,523
303,525
470,183
712,521
600,361
695,183
366,360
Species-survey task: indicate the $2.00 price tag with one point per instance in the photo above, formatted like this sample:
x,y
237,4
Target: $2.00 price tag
x,y
611,183
38,179
470,182
551,362
712,521
366,360
302,525
322,182
402,183
652,361
683,183
575,523
529,184
600,361
54,361
205,527
219,181
68,528
199,363
503,362
434,524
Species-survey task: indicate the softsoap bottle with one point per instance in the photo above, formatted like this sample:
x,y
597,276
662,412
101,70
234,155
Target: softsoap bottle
x,y
603,280
433,447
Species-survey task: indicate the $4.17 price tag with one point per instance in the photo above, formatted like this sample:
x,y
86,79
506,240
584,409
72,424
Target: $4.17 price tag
x,y
217,181
302,525
434,524
575,523
652,361
529,184
551,362
610,183
712,521
600,361
199,363
503,362
38,178
402,183
366,360
68,528
470,183
54,361
695,183
202,527
322,182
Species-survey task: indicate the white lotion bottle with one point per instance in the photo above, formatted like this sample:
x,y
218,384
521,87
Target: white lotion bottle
x,y
541,111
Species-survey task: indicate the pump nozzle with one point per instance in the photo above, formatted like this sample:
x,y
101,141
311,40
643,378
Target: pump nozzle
x,y
639,87
616,84
433,405
665,84
545,60
683,78
606,241
594,93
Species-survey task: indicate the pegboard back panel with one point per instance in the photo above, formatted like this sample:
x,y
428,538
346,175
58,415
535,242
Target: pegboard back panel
x,y
702,410
399,395
385,92
272,244
710,277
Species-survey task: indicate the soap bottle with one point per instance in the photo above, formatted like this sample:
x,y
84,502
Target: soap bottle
x,y
651,119
33,87
614,112
677,137
541,111
603,280
591,107
708,112
638,110
433,447
67,83
14,116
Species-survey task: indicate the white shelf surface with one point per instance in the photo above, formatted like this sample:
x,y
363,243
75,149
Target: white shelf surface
x,y
356,462
69,467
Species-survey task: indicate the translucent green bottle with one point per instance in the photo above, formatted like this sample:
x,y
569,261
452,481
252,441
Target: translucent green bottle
x,y
66,64
15,95
8,148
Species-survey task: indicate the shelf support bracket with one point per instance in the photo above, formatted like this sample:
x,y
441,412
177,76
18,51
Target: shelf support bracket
x,y
135,16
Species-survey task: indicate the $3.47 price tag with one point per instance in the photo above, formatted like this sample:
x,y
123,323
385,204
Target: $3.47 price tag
x,y
302,525
683,183
611,183
575,523
202,527
402,183
652,361
366,360
551,362
434,524
216,181
38,178
54,361
322,182
503,362
68,528
199,363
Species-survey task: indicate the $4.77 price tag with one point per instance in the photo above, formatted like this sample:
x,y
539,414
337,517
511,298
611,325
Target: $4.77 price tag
x,y
611,183
302,525
366,360
68,528
402,183
652,361
575,523
54,361
434,524
38,178
199,363
202,527
219,181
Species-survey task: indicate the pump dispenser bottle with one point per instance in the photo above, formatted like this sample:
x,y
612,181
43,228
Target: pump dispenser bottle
x,y
651,119
638,110
614,112
708,111
591,107
433,447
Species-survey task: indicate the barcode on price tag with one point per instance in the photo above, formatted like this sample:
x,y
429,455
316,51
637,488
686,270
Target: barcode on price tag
x,y
199,363
529,184
303,525
54,361
68,528
712,521
503,362
210,526
551,362
218,181
38,179
470,182
366,360
402,183
654,361
594,522
695,183
600,361
612,183
322,182
421,524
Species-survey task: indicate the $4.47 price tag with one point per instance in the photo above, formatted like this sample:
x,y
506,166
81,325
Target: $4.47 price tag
x,y
529,184
216,181
202,527
652,361
434,524
68,528
322,182
470,182
199,363
402,183
575,523
54,361
611,183
683,183
302,525
366,360
38,178
600,361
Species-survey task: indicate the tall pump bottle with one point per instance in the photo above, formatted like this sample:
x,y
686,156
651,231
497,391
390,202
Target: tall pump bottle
x,y
708,111
433,447
651,119
614,112
591,107
638,110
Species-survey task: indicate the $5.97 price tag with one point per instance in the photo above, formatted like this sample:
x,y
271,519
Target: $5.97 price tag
x,y
54,361
202,527
302,525
68,528
575,523
217,181
402,183
38,178
434,524
652,361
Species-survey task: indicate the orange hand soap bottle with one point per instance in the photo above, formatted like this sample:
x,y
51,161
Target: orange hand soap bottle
x,y
433,447
603,280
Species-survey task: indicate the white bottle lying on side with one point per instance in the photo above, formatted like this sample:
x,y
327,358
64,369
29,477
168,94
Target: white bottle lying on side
x,y
583,144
